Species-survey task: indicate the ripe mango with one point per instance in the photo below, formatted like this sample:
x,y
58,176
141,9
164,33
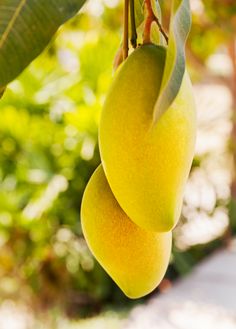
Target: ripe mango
x,y
135,258
147,165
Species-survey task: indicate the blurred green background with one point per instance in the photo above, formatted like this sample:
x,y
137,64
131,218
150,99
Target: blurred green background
x,y
48,136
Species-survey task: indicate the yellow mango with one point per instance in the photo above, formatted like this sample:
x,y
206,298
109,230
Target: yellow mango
x,y
135,258
147,165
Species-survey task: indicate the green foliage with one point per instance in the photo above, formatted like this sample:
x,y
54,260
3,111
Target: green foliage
x,y
26,28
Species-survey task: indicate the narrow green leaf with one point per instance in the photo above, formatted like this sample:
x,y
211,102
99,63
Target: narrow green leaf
x,y
180,24
139,11
26,28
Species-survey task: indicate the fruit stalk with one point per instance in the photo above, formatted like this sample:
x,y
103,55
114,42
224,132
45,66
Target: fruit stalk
x,y
150,18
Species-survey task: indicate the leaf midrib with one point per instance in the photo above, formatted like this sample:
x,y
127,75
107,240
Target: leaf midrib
x,y
11,22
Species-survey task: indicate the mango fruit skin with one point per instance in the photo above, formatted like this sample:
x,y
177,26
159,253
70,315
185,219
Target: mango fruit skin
x,y
147,165
135,258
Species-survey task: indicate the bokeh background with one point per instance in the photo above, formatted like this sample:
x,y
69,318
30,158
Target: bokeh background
x,y
48,135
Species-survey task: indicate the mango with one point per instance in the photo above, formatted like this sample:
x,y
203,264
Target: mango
x,y
135,258
147,164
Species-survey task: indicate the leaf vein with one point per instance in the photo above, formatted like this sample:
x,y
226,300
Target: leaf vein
x,y
11,22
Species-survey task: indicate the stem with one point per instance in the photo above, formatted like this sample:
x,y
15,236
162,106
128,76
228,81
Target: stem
x,y
133,25
126,30
148,23
161,30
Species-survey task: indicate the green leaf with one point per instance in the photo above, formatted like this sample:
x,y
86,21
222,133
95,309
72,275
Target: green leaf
x,y
180,24
26,28
139,11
